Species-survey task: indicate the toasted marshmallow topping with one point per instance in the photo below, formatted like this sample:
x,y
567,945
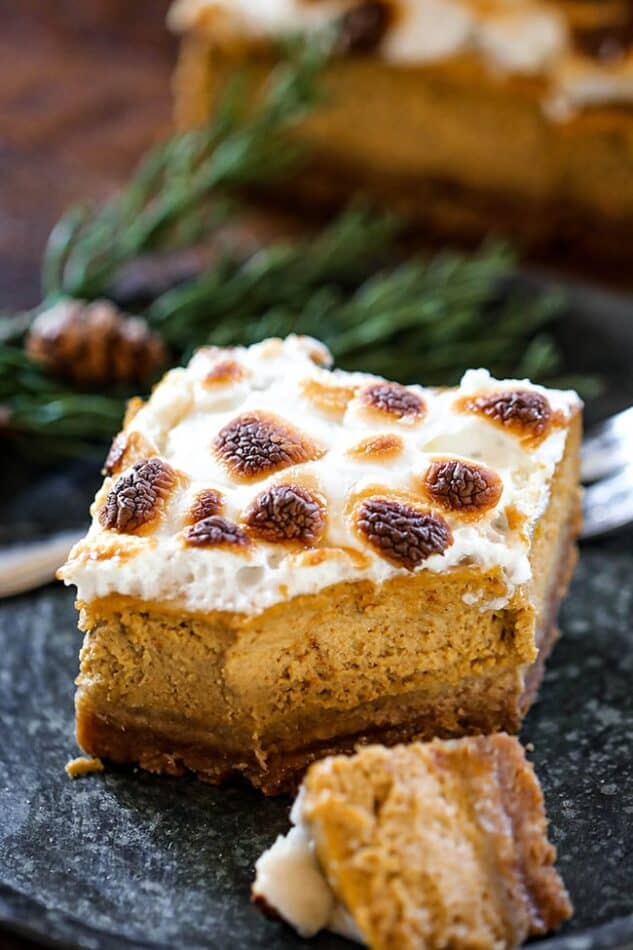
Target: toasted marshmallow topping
x,y
300,508
518,37
290,882
521,37
585,83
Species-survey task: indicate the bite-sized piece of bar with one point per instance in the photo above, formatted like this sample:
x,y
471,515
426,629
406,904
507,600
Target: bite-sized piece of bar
x,y
286,560
418,847
459,113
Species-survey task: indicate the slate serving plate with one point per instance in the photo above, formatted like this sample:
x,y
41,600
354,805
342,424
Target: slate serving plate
x,y
125,859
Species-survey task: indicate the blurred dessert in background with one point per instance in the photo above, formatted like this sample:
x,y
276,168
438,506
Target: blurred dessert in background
x,y
470,116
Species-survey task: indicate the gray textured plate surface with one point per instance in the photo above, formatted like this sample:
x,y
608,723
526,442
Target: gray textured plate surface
x,y
126,859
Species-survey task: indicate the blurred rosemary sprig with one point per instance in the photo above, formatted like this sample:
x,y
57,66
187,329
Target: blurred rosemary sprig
x,y
426,319
222,304
417,318
166,202
48,419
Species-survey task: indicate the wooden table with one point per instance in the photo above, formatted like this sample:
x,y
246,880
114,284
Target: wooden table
x,y
84,89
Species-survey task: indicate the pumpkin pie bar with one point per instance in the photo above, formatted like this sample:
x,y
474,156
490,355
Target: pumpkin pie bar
x,y
285,560
427,846
463,114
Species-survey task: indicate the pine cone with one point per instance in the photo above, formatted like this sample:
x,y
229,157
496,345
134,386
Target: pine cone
x,y
94,344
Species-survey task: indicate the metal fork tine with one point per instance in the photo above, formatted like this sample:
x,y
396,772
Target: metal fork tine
x,y
607,447
608,504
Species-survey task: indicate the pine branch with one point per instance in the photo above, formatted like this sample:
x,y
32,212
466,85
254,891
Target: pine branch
x,y
425,320
48,418
233,292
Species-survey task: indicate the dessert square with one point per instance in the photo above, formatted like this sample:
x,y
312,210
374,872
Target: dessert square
x,y
460,114
436,845
285,560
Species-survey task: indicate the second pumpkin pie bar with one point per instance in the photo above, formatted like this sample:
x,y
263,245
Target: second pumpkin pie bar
x,y
285,560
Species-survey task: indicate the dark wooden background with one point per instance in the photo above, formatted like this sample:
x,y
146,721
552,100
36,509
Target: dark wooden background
x,y
84,89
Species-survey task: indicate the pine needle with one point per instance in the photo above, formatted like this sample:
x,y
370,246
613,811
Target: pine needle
x,y
50,418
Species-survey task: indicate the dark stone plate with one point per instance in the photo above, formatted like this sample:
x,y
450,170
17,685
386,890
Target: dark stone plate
x,y
125,859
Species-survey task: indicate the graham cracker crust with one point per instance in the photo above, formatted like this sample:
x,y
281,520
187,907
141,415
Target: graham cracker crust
x,y
122,740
